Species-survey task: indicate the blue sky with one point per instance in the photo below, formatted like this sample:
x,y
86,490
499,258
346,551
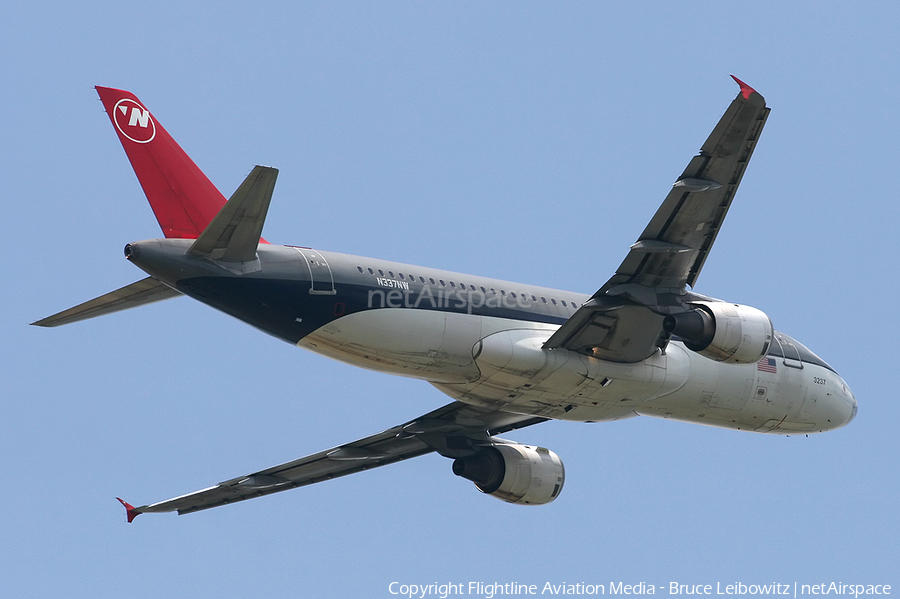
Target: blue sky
x,y
525,141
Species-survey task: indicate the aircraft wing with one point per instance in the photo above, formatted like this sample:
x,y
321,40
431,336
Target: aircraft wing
x,y
455,430
623,320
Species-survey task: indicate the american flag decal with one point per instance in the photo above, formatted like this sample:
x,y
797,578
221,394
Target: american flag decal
x,y
767,365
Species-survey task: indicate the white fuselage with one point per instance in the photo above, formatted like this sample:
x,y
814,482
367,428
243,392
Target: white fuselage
x,y
500,364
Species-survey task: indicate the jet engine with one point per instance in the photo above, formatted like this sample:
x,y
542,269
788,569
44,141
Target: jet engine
x,y
723,332
515,473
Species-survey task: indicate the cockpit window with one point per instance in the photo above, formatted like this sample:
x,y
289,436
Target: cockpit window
x,y
777,349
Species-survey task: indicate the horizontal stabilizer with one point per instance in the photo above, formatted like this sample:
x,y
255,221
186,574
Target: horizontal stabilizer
x,y
234,233
143,292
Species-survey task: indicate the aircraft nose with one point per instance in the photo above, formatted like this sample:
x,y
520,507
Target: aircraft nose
x,y
854,407
850,407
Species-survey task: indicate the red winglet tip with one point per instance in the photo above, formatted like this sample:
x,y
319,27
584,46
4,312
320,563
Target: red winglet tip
x,y
746,90
130,512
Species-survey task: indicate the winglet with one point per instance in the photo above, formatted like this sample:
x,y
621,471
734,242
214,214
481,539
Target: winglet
x,y
130,511
746,90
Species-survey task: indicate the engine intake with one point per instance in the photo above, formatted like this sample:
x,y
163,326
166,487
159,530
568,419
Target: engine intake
x,y
723,332
515,473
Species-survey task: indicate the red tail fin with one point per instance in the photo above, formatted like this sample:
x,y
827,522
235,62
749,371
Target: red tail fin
x,y
183,199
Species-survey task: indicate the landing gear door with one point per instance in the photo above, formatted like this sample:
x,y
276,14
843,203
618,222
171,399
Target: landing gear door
x,y
320,277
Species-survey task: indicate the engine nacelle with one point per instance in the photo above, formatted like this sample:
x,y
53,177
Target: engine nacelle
x,y
723,332
522,474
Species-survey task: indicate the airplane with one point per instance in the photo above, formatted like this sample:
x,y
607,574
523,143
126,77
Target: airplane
x,y
510,355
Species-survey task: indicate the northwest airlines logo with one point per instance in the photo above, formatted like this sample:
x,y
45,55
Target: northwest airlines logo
x,y
134,121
